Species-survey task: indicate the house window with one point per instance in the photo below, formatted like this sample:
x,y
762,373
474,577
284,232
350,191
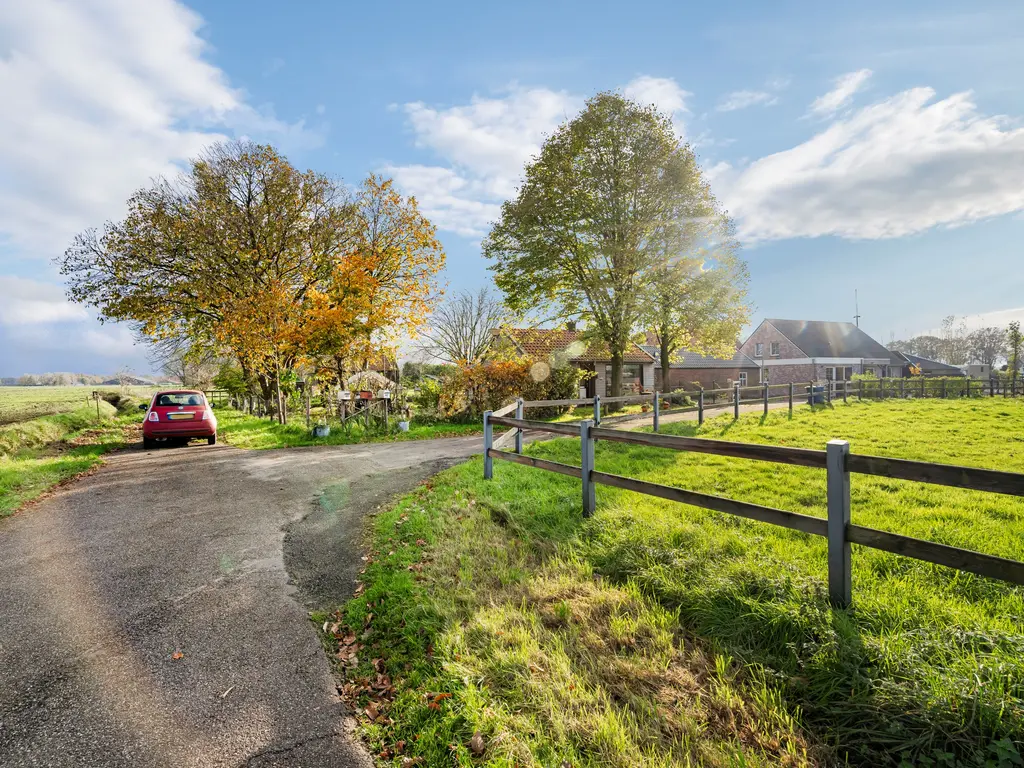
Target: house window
x,y
775,349
759,350
743,377
632,379
839,373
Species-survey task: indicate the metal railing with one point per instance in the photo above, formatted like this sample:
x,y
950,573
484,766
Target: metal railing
x,y
836,460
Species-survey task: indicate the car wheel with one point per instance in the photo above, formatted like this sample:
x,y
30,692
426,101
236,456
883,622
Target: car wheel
x,y
148,444
211,440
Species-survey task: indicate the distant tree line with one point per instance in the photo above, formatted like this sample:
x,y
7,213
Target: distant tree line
x,y
956,345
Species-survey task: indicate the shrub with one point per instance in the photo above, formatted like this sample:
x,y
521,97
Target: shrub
x,y
427,395
488,386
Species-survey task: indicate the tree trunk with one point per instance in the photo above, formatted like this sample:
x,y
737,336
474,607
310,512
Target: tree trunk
x,y
616,379
666,356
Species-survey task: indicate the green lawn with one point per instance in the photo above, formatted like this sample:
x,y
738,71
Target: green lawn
x,y
37,454
661,634
245,431
24,403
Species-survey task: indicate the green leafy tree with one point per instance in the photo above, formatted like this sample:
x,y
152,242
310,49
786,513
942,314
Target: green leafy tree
x,y
697,302
1013,345
613,195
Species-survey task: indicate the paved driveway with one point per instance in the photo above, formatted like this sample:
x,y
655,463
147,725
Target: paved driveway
x,y
211,552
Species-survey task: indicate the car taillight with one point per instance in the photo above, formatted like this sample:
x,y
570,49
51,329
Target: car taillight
x,y
153,416
206,416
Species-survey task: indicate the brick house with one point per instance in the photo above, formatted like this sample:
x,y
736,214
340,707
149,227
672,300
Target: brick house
x,y
690,370
558,347
815,350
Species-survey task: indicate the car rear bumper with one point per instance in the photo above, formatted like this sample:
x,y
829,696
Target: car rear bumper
x,y
157,431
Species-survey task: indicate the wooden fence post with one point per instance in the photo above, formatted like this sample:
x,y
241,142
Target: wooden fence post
x,y
766,398
903,388
736,401
586,467
943,387
519,432
991,387
828,392
597,409
791,399
838,484
308,404
700,407
657,410
488,442
860,389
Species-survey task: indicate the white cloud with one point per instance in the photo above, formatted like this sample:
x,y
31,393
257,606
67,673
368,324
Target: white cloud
x,y
29,302
486,144
840,95
743,99
100,96
662,92
890,169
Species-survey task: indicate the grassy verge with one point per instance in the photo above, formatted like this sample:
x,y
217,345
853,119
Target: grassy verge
x,y
661,634
247,431
38,454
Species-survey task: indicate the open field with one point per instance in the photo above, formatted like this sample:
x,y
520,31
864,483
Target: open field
x,y
37,454
662,634
24,403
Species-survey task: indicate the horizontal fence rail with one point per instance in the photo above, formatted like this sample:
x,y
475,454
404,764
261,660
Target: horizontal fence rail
x,y
838,462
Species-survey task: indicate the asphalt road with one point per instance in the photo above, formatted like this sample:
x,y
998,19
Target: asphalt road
x,y
212,553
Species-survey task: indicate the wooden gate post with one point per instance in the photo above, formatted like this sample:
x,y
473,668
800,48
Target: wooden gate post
x,y
791,399
766,398
700,407
657,410
838,485
586,467
488,442
736,401
597,409
519,431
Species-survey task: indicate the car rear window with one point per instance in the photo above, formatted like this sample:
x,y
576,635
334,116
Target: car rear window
x,y
179,398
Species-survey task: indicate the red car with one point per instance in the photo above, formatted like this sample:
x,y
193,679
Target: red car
x,y
178,415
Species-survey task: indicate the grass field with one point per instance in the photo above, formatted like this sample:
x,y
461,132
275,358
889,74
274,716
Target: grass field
x,y
245,431
37,454
512,632
24,403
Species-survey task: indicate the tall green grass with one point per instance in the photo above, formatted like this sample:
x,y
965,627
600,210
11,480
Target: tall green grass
x,y
926,668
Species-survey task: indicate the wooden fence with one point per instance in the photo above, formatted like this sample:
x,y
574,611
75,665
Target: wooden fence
x,y
813,392
836,460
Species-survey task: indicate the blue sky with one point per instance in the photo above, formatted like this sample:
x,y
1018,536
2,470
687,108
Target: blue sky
x,y
877,147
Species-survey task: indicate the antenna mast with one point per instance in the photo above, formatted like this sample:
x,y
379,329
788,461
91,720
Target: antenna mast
x,y
856,308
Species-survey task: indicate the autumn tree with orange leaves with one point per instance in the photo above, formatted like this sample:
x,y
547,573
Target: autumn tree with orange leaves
x,y
276,267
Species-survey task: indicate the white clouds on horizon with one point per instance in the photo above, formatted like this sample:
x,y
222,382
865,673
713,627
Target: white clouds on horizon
x,y
845,86
487,143
742,99
30,302
102,96
894,168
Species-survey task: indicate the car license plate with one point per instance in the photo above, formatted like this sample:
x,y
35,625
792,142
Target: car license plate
x,y
181,415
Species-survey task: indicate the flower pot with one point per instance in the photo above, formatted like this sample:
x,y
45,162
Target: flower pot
x,y
403,426
321,430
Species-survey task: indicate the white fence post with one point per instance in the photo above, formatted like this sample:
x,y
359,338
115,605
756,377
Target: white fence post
x,y
519,431
488,442
597,409
586,467
657,410
838,484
